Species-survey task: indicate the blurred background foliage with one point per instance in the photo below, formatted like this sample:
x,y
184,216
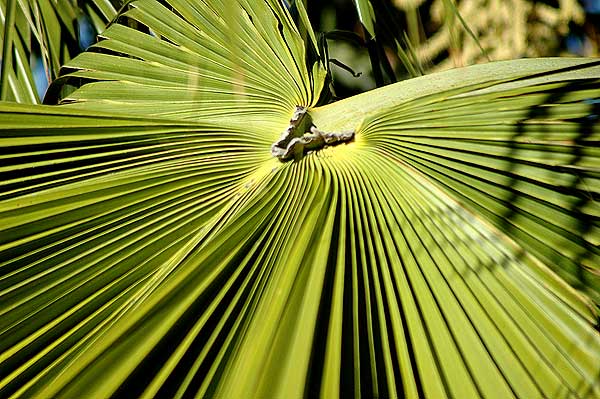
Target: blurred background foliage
x,y
370,43
421,36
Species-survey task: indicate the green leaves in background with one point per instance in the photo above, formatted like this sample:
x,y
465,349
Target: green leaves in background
x,y
42,32
151,246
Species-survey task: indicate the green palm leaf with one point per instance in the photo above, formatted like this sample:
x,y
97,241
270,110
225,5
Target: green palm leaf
x,y
204,71
152,246
42,32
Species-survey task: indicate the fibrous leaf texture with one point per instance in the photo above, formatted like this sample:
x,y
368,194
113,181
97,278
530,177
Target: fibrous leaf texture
x,y
151,246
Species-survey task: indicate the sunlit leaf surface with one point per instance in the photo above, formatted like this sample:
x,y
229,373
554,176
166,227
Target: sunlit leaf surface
x,y
150,245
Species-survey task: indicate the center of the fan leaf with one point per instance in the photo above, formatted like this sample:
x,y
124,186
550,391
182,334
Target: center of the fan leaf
x,y
302,136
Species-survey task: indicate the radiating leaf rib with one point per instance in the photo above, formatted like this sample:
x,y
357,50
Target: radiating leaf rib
x,y
379,262
438,289
512,183
216,256
452,259
364,310
99,225
426,89
177,355
353,324
196,58
258,277
298,331
270,330
330,385
159,249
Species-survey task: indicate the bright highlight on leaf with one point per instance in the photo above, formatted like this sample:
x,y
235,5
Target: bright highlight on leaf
x,y
151,244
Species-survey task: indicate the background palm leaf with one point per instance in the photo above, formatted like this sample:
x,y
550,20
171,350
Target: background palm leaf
x,y
43,34
152,246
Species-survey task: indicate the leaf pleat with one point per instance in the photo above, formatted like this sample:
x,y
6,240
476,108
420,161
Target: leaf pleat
x,y
151,246
537,180
467,302
195,66
78,219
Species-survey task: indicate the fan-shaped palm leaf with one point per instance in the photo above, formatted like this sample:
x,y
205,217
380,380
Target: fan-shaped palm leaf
x,y
151,245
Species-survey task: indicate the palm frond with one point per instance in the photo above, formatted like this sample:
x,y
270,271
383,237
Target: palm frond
x,y
194,66
41,35
151,245
520,153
